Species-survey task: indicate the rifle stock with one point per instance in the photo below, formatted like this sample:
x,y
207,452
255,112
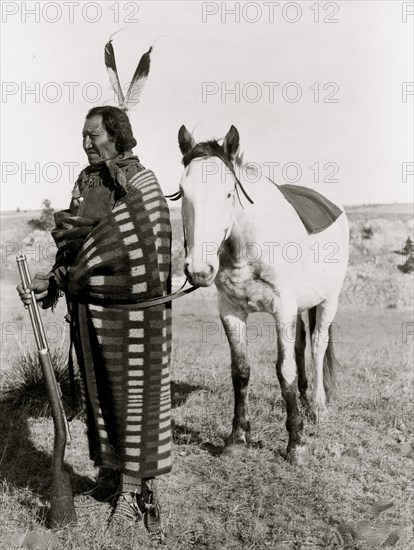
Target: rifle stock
x,y
62,508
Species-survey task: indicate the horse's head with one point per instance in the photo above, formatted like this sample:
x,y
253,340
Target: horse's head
x,y
208,187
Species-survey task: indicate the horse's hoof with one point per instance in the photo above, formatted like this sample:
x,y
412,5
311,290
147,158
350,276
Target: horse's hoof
x,y
299,456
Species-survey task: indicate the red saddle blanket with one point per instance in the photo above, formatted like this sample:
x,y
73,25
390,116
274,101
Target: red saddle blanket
x,y
316,211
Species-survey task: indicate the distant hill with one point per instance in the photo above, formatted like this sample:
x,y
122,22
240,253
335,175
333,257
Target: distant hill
x,y
394,208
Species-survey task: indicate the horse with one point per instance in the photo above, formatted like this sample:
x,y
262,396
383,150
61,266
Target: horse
x,y
261,258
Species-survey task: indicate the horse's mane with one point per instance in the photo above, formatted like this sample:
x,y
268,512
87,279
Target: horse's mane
x,y
211,148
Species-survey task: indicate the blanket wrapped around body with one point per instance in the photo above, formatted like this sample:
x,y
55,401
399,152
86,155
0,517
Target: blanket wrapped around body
x,y
124,352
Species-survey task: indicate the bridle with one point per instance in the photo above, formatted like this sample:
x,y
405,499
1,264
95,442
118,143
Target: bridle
x,y
238,185
219,153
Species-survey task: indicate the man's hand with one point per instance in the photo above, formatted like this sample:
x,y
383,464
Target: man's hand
x,y
40,286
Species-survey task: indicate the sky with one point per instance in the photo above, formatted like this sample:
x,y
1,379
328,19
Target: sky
x,y
321,92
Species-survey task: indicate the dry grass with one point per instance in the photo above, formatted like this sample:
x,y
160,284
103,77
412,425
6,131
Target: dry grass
x,y
373,277
361,456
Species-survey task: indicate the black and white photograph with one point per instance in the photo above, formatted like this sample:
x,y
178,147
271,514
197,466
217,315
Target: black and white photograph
x,y
207,258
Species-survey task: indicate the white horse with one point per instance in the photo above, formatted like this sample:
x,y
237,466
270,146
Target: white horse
x,y
261,258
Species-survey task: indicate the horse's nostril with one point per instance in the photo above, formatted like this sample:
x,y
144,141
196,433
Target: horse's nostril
x,y
199,274
205,271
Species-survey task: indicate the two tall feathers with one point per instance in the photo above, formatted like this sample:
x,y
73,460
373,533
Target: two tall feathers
x,y
138,80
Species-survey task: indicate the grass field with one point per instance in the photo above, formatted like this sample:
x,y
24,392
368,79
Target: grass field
x,y
361,456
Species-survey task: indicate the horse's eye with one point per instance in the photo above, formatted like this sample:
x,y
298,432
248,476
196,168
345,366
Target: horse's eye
x,y
230,194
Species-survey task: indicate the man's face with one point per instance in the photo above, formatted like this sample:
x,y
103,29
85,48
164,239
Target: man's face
x,y
96,142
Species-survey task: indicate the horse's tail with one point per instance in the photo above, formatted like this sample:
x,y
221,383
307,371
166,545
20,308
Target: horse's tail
x,y
330,363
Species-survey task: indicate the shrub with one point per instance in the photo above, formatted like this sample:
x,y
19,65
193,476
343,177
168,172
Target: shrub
x,y
408,265
367,232
408,247
23,387
46,221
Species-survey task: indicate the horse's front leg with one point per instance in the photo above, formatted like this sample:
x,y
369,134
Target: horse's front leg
x,y
286,370
234,323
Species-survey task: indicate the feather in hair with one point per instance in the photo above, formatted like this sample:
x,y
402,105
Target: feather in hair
x,y
113,73
138,80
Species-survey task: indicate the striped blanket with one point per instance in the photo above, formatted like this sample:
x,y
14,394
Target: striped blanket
x,y
124,353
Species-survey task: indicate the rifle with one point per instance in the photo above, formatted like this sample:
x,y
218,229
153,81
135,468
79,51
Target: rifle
x,y
62,508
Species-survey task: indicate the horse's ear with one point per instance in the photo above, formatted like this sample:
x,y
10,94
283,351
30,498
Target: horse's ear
x,y
231,143
185,140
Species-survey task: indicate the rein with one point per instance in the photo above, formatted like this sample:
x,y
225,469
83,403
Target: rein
x,y
140,304
238,182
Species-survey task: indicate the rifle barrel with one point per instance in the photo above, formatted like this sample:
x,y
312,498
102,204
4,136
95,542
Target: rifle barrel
x,y
41,340
62,509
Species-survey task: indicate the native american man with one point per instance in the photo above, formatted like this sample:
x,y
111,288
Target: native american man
x,y
114,248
